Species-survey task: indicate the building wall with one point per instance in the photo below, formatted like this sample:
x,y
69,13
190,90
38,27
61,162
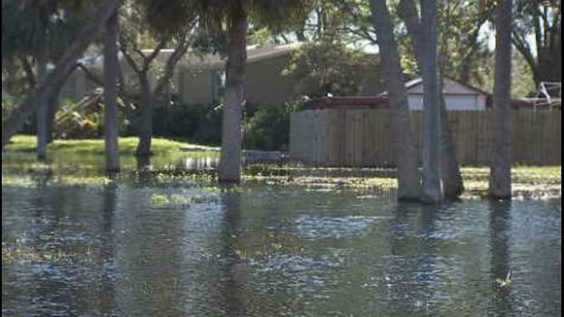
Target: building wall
x,y
195,87
195,83
265,83
77,85
453,102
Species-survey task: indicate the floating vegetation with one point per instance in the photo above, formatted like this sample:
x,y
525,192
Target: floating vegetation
x,y
504,282
257,243
204,199
27,254
167,200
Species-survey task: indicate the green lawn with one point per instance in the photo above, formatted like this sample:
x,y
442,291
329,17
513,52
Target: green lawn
x,y
127,146
82,161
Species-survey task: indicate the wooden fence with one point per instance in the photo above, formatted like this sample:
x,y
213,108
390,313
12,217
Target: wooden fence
x,y
363,138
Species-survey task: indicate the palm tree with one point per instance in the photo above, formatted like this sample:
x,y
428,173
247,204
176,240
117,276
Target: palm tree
x,y
432,189
272,12
500,174
234,14
404,142
231,135
64,65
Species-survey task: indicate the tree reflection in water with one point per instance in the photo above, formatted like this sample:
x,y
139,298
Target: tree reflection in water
x,y
411,273
233,270
500,221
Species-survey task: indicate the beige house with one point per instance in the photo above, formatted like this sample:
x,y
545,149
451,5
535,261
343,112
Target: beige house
x,y
200,79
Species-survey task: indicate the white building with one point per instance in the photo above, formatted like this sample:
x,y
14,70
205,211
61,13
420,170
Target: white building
x,y
458,96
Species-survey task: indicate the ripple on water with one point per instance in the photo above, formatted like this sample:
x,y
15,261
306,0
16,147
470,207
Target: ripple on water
x,y
300,274
315,227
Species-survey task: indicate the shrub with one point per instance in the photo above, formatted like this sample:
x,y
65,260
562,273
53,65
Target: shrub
x,y
9,104
266,126
196,122
268,129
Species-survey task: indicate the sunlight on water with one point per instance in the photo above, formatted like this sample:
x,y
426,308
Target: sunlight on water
x,y
138,249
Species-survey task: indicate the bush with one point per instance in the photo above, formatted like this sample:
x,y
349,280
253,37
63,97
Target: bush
x,y
198,123
268,129
9,104
266,126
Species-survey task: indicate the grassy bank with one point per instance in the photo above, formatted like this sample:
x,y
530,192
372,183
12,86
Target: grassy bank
x,y
81,162
127,146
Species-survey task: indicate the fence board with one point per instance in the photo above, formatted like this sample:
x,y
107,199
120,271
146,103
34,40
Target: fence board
x,y
363,137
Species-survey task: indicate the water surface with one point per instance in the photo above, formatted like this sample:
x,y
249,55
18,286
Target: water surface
x,y
129,249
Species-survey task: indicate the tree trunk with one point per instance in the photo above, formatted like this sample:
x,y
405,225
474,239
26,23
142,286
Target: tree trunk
x,y
56,77
111,65
300,36
432,191
500,175
146,120
41,111
404,141
451,177
230,162
53,103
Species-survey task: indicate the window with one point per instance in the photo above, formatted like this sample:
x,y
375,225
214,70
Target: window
x,y
218,84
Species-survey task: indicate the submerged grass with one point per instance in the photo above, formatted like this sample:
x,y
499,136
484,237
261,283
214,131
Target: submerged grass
x,y
80,162
26,254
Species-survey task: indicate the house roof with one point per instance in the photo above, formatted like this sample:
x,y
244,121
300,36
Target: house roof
x,y
347,103
255,53
419,81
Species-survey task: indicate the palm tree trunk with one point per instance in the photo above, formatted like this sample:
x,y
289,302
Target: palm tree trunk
x,y
56,77
41,111
500,174
111,65
432,191
230,162
404,141
146,122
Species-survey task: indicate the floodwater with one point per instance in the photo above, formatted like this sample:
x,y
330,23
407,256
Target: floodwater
x,y
129,249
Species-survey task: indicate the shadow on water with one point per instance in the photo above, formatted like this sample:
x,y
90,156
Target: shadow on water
x,y
233,270
110,195
148,255
500,220
411,271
